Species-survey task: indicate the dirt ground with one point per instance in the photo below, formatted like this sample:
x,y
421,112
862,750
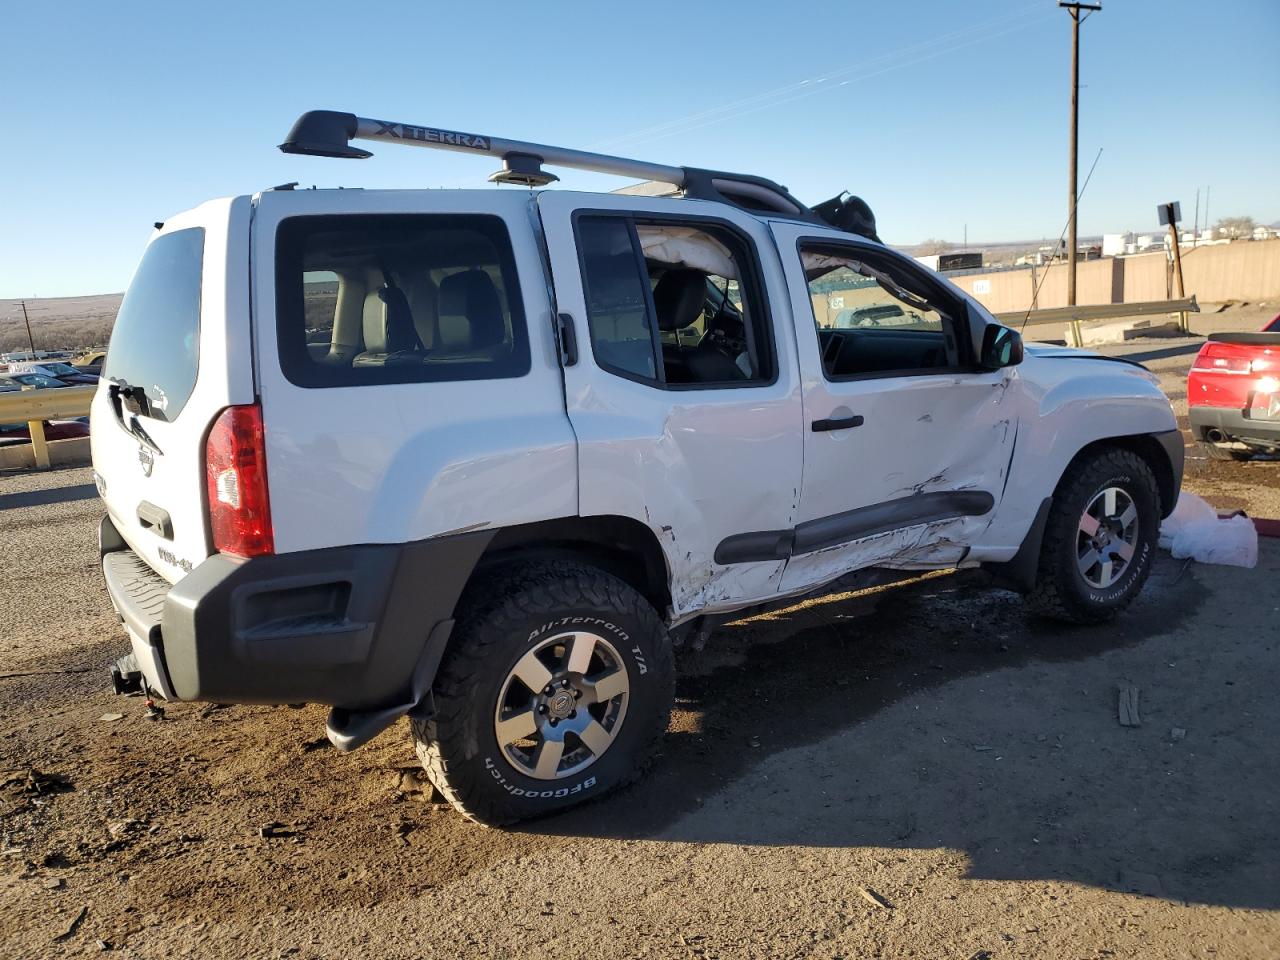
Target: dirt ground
x,y
917,771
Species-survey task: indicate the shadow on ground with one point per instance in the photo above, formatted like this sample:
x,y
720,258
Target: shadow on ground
x,y
891,731
1164,353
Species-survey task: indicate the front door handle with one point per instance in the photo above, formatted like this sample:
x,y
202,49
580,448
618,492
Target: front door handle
x,y
836,423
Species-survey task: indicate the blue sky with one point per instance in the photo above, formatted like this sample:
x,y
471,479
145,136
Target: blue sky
x,y
940,113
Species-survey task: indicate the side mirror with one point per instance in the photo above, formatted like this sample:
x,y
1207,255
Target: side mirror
x,y
1001,347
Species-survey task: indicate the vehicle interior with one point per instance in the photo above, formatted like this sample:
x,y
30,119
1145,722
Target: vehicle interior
x,y
670,295
403,297
702,316
872,319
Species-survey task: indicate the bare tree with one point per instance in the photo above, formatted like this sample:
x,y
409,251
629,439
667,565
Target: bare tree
x,y
930,246
1234,227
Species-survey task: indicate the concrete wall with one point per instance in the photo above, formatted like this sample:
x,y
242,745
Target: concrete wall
x,y
1235,271
62,453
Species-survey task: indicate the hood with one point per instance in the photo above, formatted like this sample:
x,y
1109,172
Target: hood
x,y
1052,351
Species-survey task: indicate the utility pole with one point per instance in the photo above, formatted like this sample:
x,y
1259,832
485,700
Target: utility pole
x,y
1076,20
30,339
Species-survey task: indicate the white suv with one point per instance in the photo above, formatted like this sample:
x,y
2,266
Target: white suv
x,y
479,456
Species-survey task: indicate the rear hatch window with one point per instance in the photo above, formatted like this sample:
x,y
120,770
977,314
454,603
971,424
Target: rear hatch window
x,y
155,341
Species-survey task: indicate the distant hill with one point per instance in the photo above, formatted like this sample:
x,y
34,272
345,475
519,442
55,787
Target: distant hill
x,y
59,323
74,323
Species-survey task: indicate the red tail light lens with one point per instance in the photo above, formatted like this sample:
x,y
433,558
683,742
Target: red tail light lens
x,y
236,471
1221,358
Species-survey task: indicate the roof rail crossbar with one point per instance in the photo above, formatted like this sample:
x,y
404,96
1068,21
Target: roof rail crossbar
x,y
327,133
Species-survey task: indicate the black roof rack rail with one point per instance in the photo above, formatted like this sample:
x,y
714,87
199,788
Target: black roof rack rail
x,y
327,133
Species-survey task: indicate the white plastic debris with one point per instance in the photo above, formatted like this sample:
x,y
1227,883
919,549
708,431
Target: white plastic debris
x,y
1195,530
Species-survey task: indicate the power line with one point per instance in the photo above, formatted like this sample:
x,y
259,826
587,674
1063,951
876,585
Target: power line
x,y
1039,283
798,90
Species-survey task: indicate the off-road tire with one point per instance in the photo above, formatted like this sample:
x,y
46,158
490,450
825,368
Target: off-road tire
x,y
1217,452
1061,591
502,619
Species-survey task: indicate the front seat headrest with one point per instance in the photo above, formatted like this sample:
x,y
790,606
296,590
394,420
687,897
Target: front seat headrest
x,y
471,294
679,298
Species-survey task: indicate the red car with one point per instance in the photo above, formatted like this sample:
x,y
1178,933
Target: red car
x,y
15,433
1233,393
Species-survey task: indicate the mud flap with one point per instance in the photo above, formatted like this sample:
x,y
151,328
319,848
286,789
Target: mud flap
x,y
1019,572
349,729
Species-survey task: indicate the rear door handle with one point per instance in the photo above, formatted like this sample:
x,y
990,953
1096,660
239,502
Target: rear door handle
x,y
568,340
836,423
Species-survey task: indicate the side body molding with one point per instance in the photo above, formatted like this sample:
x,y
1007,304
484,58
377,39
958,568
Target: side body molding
x,y
853,525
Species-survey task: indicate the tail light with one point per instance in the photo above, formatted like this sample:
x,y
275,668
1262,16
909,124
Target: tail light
x,y
1221,358
236,470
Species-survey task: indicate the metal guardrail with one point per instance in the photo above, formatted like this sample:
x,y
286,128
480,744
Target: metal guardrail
x,y
36,406
1101,311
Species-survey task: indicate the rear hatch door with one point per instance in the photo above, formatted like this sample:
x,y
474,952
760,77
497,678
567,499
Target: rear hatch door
x,y
179,354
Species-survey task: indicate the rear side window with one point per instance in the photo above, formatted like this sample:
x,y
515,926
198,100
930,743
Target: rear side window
x,y
155,343
376,299
674,304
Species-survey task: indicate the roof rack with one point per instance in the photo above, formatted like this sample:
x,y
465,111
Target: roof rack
x,y
327,133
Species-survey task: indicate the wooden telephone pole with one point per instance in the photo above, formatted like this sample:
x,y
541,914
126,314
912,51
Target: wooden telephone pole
x,y
1076,20
30,339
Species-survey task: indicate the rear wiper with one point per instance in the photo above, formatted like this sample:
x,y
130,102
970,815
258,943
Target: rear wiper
x,y
135,427
126,396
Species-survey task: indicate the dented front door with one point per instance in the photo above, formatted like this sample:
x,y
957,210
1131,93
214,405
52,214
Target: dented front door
x,y
898,470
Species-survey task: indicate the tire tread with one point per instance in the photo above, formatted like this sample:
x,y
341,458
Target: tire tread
x,y
500,601
1048,598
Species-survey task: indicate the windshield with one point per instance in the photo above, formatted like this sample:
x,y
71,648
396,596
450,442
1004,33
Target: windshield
x,y
155,341
59,369
34,380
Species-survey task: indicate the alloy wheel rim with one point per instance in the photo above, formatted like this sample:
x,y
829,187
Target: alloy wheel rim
x,y
1107,537
562,705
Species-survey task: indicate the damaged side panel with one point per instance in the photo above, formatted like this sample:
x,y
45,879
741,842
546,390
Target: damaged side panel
x,y
696,466
924,546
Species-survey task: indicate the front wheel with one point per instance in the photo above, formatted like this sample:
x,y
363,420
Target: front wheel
x,y
1099,540
556,687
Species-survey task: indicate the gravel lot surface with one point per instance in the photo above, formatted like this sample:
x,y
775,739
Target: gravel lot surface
x,y
912,771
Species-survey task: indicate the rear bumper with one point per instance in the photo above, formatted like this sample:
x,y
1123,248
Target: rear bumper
x,y
346,626
1233,423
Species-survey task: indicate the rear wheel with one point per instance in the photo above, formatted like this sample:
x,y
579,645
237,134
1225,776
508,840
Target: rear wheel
x,y
556,688
1100,538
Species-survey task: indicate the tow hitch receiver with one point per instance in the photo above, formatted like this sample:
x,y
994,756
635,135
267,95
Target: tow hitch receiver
x,y
126,678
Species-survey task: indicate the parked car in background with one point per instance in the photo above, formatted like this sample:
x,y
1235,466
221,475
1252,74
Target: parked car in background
x,y
12,434
1233,394
35,381
55,369
879,315
90,362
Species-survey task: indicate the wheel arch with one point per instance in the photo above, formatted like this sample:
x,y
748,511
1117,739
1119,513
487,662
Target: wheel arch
x,y
618,545
1162,452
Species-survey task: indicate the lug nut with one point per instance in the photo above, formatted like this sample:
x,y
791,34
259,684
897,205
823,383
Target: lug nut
x,y
573,714
577,694
564,684
554,721
542,708
550,690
